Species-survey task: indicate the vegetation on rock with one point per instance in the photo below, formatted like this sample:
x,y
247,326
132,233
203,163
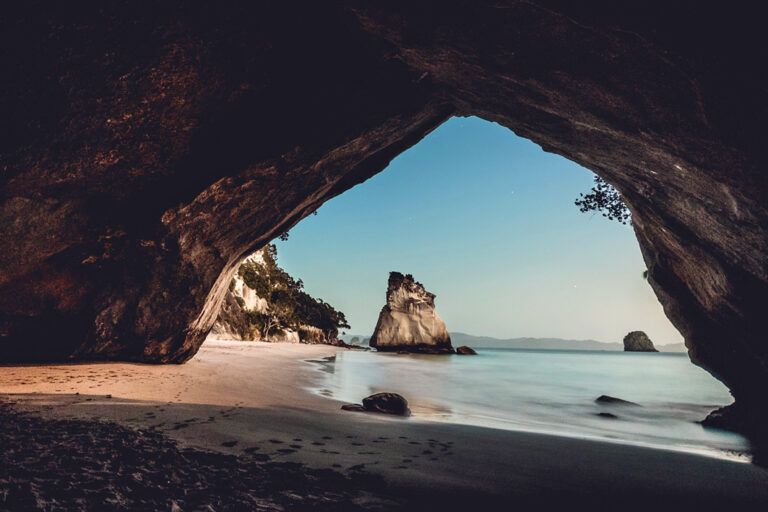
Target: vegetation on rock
x,y
288,305
606,200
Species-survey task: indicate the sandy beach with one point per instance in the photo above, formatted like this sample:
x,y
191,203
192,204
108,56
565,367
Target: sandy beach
x,y
243,399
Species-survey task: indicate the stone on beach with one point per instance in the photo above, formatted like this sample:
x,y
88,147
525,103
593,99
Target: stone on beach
x,y
466,351
387,403
353,407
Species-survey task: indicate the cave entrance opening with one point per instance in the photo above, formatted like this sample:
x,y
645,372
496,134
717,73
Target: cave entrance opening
x,y
486,220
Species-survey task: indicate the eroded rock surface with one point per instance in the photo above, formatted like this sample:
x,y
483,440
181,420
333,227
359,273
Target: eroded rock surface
x,y
408,321
142,156
638,341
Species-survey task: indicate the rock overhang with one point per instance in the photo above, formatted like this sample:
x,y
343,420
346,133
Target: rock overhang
x,y
131,139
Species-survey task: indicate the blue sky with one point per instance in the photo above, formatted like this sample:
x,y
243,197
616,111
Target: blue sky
x,y
485,220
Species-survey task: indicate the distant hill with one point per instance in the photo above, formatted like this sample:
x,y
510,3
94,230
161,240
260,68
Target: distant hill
x,y
460,338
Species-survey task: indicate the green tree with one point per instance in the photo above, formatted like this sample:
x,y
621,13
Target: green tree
x,y
288,305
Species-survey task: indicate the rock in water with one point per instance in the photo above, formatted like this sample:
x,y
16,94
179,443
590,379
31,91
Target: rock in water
x,y
607,399
466,351
387,403
408,321
638,341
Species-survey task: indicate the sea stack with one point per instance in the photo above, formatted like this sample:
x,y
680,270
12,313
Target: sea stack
x,y
408,321
638,341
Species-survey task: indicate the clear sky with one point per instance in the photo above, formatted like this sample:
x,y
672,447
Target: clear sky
x,y
485,220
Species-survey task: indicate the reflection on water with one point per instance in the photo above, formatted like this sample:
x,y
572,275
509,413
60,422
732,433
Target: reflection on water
x,y
549,391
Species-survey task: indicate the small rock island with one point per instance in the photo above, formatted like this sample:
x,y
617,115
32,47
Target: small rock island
x,y
638,341
408,321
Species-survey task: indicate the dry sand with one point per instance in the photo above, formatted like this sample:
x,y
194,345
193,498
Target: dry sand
x,y
253,398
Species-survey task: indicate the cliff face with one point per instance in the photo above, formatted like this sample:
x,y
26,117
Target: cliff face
x,y
408,321
247,316
142,157
638,341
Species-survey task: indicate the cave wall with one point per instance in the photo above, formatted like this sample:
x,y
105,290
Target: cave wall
x,y
147,148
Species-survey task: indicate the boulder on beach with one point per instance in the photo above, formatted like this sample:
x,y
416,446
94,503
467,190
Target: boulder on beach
x,y
638,341
387,403
408,321
466,351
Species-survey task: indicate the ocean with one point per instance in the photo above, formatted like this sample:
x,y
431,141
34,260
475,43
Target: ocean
x,y
549,391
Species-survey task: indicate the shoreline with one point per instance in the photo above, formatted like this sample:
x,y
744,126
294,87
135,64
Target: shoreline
x,y
426,413
243,398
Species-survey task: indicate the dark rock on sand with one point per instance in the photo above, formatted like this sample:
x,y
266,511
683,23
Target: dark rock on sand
x,y
353,407
638,341
408,321
466,351
387,403
606,399
607,415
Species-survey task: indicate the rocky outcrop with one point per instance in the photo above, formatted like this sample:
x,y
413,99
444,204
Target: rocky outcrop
x,y
144,155
466,351
408,321
638,341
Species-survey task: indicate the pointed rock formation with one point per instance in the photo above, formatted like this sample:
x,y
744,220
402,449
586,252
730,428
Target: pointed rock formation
x,y
638,341
408,321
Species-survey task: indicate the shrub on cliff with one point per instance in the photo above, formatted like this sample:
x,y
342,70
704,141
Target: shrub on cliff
x,y
288,305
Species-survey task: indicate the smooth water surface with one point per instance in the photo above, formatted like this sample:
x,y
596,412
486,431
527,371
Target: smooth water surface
x,y
549,391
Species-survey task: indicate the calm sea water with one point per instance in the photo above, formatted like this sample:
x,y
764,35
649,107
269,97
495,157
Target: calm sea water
x,y
549,391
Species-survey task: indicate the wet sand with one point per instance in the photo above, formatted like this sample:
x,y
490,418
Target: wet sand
x,y
250,402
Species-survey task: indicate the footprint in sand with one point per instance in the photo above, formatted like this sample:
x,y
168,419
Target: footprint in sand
x,y
275,441
286,450
327,437
298,440
318,443
297,446
229,444
356,444
252,449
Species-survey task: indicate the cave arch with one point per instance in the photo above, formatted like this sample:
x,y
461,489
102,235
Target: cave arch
x,y
143,155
